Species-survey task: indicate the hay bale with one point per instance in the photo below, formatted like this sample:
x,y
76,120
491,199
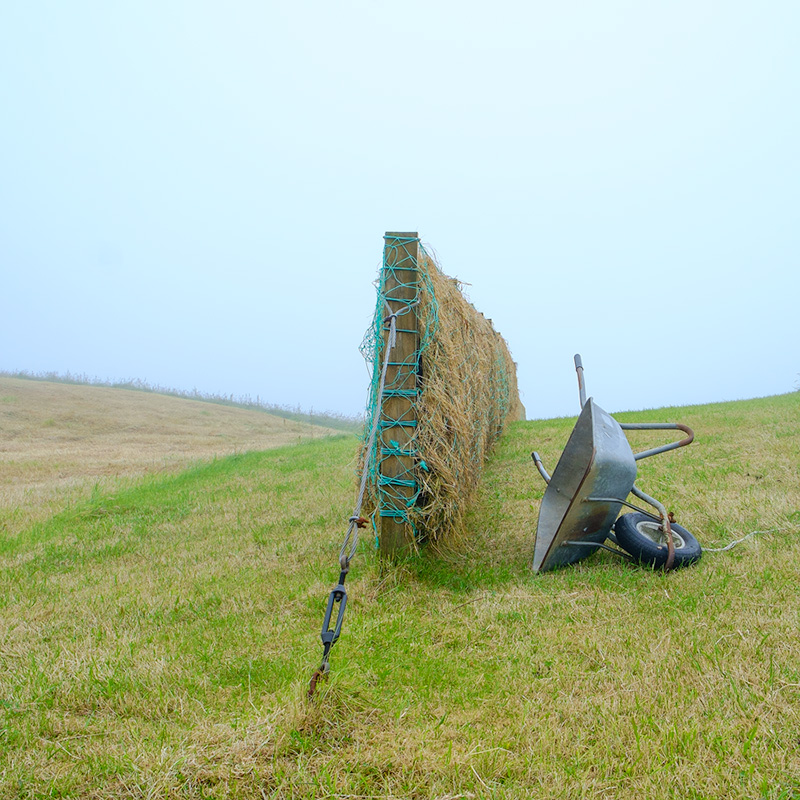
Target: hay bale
x,y
467,392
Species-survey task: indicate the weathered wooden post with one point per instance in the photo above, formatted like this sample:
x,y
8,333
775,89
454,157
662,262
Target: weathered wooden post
x,y
398,414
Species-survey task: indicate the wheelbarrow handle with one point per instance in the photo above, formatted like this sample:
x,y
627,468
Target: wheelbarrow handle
x,y
581,384
542,471
659,426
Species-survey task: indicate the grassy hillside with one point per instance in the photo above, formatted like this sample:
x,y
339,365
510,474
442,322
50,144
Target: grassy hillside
x,y
157,641
59,440
326,419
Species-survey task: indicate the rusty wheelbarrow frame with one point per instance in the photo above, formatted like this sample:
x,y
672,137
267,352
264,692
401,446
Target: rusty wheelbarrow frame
x,y
591,483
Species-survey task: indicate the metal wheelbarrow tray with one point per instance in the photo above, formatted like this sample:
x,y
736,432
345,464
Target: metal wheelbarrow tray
x,y
591,483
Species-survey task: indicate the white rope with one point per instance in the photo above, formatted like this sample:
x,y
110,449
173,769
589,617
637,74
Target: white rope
x,y
738,541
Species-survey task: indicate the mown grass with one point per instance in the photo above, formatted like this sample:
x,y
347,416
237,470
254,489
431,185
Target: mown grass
x,y
157,641
325,419
58,441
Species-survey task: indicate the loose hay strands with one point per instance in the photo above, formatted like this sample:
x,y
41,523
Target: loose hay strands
x,y
467,390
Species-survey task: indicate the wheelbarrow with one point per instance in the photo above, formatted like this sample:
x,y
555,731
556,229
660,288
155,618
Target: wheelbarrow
x,y
595,475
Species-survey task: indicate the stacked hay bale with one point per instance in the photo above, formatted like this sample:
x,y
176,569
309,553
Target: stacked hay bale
x,y
467,391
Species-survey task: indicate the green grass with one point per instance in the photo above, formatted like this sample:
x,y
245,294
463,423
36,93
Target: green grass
x,y
157,642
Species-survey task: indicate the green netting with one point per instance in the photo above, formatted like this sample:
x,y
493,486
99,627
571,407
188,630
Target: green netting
x,y
462,383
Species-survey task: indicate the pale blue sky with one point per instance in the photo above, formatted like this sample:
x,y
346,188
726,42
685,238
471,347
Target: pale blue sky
x,y
195,193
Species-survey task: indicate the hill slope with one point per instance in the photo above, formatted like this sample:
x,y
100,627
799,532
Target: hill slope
x,y
57,439
158,640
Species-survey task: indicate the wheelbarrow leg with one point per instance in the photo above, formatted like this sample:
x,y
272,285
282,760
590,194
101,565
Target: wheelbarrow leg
x,y
664,524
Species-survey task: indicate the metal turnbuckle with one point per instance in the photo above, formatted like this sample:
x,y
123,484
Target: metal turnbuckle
x,y
338,595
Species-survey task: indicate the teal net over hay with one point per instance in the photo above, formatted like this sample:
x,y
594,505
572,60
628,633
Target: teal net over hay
x,y
462,384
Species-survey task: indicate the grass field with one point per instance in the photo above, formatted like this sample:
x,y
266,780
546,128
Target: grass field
x,y
60,440
157,634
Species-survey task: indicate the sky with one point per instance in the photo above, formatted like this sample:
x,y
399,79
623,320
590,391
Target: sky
x,y
194,194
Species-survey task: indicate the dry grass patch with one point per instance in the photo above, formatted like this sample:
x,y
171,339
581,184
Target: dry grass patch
x,y
58,440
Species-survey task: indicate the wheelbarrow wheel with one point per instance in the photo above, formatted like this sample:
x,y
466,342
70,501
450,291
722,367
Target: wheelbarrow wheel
x,y
642,537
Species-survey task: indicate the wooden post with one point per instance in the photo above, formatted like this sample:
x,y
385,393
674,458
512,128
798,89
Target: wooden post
x,y
398,413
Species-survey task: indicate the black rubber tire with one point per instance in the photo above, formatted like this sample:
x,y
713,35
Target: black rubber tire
x,y
638,534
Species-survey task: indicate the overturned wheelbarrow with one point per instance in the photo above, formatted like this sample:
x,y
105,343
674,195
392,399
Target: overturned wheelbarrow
x,y
591,483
